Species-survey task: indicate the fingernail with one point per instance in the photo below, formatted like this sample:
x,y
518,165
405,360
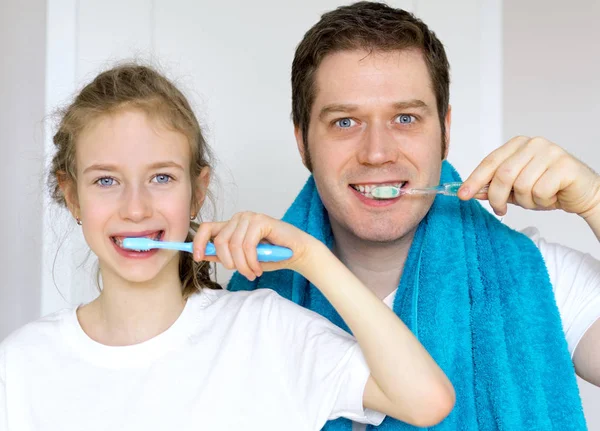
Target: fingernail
x,y
464,191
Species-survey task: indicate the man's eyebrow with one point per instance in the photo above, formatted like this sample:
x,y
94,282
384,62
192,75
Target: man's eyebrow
x,y
411,104
336,107
349,108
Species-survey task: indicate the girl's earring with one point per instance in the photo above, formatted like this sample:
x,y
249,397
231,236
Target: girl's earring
x,y
79,222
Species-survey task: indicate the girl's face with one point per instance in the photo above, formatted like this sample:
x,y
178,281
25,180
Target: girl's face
x,y
133,179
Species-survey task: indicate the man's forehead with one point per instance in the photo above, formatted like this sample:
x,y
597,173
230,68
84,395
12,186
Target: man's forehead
x,y
357,77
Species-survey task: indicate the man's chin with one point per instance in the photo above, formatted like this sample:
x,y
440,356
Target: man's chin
x,y
382,234
382,238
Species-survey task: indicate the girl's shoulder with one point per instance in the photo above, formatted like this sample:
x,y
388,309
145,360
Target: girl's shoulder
x,y
38,333
264,306
209,297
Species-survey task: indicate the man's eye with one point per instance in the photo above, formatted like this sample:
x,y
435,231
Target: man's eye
x,y
345,123
405,119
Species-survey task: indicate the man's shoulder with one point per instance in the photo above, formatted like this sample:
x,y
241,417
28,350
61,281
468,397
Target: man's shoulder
x,y
533,234
552,252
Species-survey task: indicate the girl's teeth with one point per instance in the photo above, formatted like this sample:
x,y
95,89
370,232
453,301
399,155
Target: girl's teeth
x,y
119,240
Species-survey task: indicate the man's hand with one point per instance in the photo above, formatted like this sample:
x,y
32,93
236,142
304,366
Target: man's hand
x,y
535,174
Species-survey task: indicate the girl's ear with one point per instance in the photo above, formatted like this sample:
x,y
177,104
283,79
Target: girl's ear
x,y
201,184
68,189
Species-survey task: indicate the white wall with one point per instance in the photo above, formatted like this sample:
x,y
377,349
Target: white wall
x,y
552,88
22,52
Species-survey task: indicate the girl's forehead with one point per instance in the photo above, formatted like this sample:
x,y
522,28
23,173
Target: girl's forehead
x,y
131,137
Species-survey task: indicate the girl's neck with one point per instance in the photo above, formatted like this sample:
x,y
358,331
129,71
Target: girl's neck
x,y
129,313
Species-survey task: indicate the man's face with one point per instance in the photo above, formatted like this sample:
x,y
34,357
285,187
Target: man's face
x,y
374,121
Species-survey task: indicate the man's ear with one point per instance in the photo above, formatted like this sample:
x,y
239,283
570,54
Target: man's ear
x,y
447,123
301,147
68,188
201,188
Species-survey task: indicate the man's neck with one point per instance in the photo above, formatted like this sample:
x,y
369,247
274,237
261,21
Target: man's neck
x,y
378,265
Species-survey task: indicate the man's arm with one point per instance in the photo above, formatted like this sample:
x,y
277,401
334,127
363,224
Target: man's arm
x,y
536,174
587,355
593,218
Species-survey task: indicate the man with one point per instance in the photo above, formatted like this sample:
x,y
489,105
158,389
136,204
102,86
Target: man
x,y
370,96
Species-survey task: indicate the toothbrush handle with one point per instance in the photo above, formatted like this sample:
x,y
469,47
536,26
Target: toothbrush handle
x,y
273,253
168,245
451,189
265,252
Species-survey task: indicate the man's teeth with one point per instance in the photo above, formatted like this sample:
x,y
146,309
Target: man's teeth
x,y
367,189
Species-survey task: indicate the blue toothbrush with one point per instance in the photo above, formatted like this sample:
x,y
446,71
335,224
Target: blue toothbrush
x,y
265,252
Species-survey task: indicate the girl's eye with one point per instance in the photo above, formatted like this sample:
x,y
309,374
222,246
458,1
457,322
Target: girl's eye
x,y
105,181
162,178
345,123
405,119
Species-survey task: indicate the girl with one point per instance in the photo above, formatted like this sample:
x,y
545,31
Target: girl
x,y
163,347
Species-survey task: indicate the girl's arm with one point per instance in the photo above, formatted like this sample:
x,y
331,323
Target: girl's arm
x,y
405,381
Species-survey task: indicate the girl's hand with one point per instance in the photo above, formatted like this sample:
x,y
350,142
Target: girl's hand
x,y
236,240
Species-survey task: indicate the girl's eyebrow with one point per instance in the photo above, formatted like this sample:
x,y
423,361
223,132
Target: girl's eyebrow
x,y
100,167
167,164
111,168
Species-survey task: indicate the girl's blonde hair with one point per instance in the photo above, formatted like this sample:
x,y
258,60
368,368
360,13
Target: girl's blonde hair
x,y
139,87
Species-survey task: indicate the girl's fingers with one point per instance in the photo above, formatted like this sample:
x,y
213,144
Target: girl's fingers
x,y
221,242
254,235
237,250
205,232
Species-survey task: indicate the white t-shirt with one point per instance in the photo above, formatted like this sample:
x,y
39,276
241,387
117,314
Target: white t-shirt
x,y
231,361
575,278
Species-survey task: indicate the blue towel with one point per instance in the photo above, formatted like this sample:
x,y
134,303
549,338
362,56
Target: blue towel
x,y
477,295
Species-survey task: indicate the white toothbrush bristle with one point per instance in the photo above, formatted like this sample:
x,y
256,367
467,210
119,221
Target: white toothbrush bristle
x,y
385,192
